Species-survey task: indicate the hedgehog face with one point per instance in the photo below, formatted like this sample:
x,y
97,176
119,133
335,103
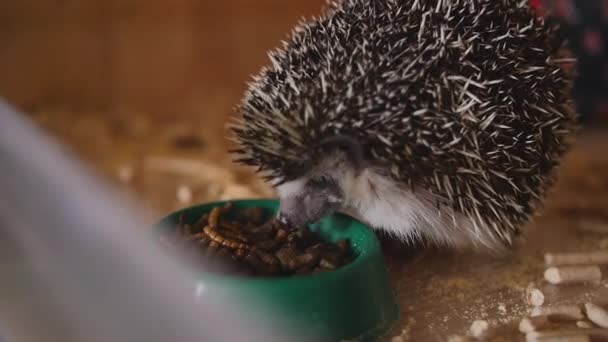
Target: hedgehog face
x,y
320,190
307,200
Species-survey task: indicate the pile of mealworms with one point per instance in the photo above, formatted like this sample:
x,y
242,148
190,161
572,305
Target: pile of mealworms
x,y
244,242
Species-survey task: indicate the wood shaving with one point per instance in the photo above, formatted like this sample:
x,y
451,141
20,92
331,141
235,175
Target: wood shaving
x,y
597,314
584,325
529,324
479,328
573,259
573,274
559,312
571,334
535,297
593,226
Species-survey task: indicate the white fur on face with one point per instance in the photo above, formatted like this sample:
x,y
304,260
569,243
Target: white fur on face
x,y
291,188
384,204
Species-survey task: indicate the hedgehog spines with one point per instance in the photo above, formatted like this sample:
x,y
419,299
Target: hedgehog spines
x,y
460,97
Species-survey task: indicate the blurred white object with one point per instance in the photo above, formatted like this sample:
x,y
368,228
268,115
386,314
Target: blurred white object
x,y
125,173
76,266
184,194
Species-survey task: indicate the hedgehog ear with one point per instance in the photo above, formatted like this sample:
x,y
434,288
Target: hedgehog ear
x,y
346,144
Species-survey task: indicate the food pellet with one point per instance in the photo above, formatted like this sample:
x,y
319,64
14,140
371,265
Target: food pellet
x,y
597,314
569,334
184,194
529,324
479,328
572,274
584,325
537,336
559,312
593,226
571,259
535,297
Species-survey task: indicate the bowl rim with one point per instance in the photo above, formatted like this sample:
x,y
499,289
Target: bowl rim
x,y
369,250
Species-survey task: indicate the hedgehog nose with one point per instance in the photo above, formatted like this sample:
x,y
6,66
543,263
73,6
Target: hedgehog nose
x,y
283,219
288,223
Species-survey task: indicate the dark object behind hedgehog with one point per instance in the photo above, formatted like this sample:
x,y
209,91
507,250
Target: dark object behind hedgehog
x,y
434,119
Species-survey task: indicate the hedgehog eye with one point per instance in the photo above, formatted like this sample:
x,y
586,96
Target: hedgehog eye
x,y
322,181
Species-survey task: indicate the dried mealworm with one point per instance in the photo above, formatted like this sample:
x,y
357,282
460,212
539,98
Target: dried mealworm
x,y
213,234
266,258
234,235
571,259
281,235
240,253
215,214
287,257
234,244
216,237
266,228
307,260
261,267
572,274
214,217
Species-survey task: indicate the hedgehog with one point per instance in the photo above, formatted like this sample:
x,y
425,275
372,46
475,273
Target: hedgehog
x,y
441,121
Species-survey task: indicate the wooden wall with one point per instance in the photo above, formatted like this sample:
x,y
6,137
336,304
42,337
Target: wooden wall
x,y
171,57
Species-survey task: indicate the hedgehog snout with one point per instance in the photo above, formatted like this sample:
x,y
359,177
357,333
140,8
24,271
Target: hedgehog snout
x,y
293,214
299,212
308,202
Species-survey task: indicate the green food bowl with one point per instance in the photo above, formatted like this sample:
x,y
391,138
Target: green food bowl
x,y
354,302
